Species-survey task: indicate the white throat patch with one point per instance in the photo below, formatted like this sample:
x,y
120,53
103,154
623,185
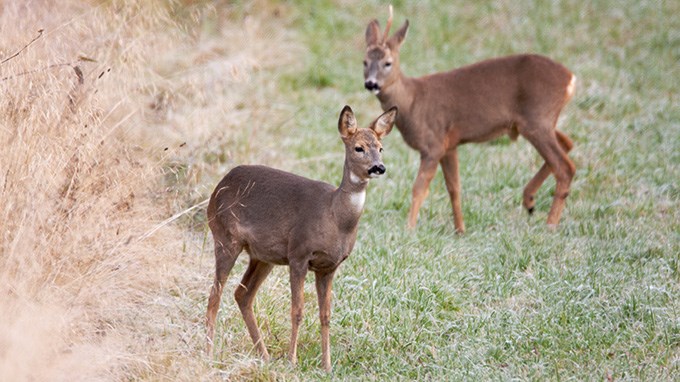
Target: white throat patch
x,y
357,199
354,178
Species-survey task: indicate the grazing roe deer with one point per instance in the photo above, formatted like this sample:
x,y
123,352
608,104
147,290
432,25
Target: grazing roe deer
x,y
514,95
283,219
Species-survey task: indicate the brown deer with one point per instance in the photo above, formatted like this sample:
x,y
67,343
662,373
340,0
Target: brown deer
x,y
514,95
283,219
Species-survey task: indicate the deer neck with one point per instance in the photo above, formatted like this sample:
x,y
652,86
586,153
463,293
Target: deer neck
x,y
349,198
397,92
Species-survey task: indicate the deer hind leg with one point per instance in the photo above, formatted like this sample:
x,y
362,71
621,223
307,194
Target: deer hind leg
x,y
226,252
449,165
542,174
421,187
551,149
245,296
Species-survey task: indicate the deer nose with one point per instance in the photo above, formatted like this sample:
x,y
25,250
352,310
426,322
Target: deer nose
x,y
371,85
378,170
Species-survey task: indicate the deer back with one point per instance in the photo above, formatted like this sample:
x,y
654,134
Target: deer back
x,y
474,103
266,208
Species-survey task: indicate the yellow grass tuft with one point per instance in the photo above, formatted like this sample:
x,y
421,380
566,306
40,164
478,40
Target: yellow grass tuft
x,y
93,112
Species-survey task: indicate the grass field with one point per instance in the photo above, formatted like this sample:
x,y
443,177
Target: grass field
x,y
98,283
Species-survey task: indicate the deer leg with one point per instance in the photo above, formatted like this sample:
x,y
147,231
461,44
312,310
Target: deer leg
x,y
324,283
245,297
421,187
542,174
563,169
449,165
297,286
564,175
533,186
225,256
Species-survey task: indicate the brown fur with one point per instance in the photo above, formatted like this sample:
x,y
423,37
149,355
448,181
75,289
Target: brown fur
x,y
514,95
280,218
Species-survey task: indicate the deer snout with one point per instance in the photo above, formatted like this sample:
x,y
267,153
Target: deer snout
x,y
372,85
376,170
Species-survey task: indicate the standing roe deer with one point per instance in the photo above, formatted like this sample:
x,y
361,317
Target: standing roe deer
x,y
283,219
521,94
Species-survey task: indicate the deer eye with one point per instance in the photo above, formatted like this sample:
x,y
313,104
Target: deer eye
x,y
365,63
381,149
359,149
388,64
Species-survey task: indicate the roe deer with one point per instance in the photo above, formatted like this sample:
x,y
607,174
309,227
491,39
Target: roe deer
x,y
283,219
514,95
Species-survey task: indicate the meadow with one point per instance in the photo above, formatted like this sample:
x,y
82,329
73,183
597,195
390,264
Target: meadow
x,y
118,118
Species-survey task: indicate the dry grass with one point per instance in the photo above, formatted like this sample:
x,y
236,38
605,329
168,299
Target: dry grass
x,y
101,115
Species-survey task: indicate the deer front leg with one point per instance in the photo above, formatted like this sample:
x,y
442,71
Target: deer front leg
x,y
298,271
421,187
452,177
324,283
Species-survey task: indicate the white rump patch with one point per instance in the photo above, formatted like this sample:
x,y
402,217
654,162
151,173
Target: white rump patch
x,y
357,199
572,86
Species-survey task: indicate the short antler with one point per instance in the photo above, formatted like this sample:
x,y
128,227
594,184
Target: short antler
x,y
387,27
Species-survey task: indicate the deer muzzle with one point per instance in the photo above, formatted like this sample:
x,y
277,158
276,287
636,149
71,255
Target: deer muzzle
x,y
376,170
372,85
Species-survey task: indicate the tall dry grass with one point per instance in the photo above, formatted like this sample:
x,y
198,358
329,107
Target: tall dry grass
x,y
100,118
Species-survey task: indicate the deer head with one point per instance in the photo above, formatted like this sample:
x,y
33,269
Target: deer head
x,y
381,63
363,150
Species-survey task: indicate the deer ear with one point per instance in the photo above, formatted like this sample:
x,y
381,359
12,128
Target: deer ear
x,y
398,37
383,125
372,33
347,124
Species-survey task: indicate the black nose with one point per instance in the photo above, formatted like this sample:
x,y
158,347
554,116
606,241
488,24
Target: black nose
x,y
379,169
371,85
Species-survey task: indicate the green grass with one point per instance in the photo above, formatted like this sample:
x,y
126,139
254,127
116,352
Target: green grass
x,y
509,299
